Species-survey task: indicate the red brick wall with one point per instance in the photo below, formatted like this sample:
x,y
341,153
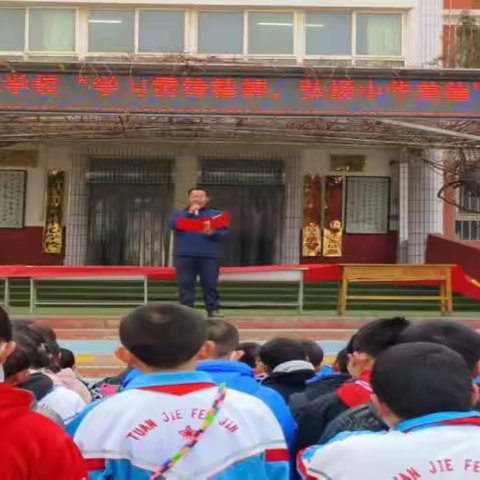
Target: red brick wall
x,y
441,249
24,247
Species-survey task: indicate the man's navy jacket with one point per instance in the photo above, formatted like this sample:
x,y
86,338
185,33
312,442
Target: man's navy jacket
x,y
196,244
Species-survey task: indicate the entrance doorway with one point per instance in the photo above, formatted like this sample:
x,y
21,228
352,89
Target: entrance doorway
x,y
129,207
253,191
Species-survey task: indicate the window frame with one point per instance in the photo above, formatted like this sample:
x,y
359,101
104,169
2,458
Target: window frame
x,y
76,25
26,33
88,53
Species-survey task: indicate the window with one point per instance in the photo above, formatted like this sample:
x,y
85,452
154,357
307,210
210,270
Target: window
x,y
161,31
328,33
220,32
12,29
52,30
270,33
379,34
467,224
348,163
111,30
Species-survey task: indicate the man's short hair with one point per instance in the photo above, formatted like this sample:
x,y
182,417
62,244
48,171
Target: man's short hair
x,y
21,358
377,336
224,335
163,336
251,352
201,189
416,379
457,336
66,358
5,327
281,350
341,361
41,348
314,352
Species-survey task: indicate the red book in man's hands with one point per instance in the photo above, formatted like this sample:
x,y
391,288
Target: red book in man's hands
x,y
200,224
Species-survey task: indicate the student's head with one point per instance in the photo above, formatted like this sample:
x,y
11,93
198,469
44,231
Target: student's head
x,y
457,336
198,196
66,359
340,364
416,379
249,353
42,348
224,336
6,344
19,362
371,340
163,338
281,350
314,353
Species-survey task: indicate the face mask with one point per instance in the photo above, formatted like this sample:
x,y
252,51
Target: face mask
x,y
2,372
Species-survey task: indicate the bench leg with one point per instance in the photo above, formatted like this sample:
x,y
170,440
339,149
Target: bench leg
x,y
342,297
443,298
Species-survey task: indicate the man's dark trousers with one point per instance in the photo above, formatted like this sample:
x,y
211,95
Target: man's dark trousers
x,y
188,269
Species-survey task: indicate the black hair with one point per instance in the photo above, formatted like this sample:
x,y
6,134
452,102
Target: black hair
x,y
163,336
21,358
281,350
457,336
201,189
5,327
224,335
416,379
39,344
375,337
342,361
66,359
251,352
314,352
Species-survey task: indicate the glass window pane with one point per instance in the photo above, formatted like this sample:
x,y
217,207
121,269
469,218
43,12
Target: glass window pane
x,y
329,33
270,33
379,34
52,30
227,26
12,29
161,31
111,30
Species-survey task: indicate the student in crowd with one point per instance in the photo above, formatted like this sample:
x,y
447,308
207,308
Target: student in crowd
x,y
173,421
249,353
370,340
67,375
424,392
326,381
32,447
42,382
314,354
239,376
457,336
286,363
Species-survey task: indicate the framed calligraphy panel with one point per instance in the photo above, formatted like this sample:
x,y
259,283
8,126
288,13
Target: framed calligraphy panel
x,y
367,205
13,185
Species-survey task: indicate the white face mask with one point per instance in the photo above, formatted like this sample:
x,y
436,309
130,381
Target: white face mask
x,y
2,372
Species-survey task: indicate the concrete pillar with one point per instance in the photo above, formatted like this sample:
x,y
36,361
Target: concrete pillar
x,y
431,25
187,167
77,217
425,209
403,211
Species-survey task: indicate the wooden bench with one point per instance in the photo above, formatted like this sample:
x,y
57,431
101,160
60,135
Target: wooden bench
x,y
397,273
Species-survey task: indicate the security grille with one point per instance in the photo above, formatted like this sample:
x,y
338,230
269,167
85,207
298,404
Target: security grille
x,y
129,206
253,191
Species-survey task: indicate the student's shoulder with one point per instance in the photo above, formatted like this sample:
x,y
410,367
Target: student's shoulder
x,y
246,401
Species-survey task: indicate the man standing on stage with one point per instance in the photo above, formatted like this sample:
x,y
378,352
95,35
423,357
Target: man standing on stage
x,y
200,231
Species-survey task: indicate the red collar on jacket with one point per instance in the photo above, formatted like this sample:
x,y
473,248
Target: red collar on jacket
x,y
357,392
